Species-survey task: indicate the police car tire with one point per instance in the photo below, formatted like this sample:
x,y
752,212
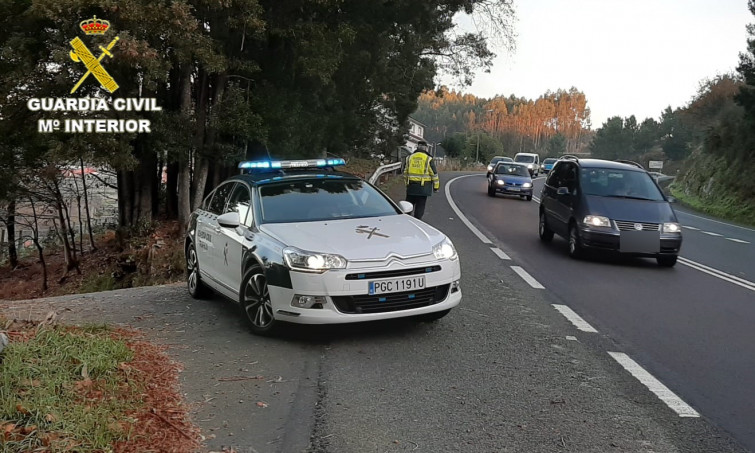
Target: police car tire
x,y
197,289
253,297
431,317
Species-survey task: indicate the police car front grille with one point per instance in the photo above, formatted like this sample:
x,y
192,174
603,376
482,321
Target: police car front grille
x,y
383,303
393,273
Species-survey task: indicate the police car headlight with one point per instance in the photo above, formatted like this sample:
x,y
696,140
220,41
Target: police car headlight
x,y
444,250
303,260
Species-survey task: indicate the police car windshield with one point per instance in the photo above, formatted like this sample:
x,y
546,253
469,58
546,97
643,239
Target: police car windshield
x,y
617,183
312,200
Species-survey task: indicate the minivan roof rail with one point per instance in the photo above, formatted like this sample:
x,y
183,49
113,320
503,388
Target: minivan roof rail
x,y
569,157
630,162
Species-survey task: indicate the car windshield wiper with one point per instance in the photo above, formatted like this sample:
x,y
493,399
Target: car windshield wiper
x,y
630,197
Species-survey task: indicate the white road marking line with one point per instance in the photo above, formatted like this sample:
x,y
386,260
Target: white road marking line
x,y
654,385
575,319
537,200
716,221
711,234
463,218
691,228
527,277
718,274
500,253
571,338
737,240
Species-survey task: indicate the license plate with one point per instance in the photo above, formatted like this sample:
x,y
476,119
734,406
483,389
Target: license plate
x,y
640,242
397,285
513,189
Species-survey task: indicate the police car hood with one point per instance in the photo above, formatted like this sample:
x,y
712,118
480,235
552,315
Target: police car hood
x,y
366,238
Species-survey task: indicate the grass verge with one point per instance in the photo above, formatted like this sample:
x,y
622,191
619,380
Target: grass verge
x,y
727,208
88,389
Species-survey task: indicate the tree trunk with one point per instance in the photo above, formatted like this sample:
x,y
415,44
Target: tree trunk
x,y
171,194
12,252
40,251
184,174
86,204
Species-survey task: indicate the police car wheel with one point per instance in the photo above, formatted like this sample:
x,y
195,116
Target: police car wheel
x,y
255,302
197,289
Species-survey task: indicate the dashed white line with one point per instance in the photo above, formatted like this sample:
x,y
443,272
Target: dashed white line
x,y
654,385
500,253
527,277
691,228
709,233
575,319
737,240
716,221
463,218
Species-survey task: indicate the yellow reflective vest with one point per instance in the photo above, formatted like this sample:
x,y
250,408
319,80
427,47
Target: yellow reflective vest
x,y
419,169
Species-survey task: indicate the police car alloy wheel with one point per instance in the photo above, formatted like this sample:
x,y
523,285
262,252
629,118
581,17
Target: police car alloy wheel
x,y
197,289
255,302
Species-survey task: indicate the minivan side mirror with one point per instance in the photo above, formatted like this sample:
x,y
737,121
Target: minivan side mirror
x,y
562,191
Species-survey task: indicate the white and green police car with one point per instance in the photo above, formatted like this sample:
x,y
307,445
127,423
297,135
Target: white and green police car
x,y
296,241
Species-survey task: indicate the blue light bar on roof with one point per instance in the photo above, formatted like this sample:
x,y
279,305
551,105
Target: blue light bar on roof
x,y
282,164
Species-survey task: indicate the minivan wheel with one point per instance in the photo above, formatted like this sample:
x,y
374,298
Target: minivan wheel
x,y
255,302
575,245
197,289
666,260
546,234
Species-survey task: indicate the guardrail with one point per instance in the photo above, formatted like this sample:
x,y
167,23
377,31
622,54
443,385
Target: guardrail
x,y
382,170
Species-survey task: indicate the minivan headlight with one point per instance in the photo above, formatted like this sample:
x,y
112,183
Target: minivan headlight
x,y
302,260
597,221
444,250
672,227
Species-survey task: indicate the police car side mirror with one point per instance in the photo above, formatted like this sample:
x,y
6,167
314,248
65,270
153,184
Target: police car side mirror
x,y
406,207
229,220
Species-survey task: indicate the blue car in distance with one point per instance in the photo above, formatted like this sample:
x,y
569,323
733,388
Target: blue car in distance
x,y
548,164
510,178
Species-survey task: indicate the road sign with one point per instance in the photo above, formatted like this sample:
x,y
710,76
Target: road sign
x,y
655,164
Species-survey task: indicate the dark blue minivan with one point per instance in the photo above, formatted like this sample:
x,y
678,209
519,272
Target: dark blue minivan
x,y
608,206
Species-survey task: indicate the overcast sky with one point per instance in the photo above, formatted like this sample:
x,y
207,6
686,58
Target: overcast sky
x,y
628,57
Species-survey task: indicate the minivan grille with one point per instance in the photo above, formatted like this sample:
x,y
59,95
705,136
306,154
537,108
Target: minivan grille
x,y
629,226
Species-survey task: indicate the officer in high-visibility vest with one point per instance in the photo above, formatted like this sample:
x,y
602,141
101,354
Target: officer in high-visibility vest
x,y
421,178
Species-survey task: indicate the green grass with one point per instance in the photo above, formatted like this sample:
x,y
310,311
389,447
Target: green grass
x,y
727,208
43,384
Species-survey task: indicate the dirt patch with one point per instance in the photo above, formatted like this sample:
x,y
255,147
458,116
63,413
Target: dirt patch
x,y
118,262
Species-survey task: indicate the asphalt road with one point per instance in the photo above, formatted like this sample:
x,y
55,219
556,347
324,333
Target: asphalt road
x,y
691,327
503,372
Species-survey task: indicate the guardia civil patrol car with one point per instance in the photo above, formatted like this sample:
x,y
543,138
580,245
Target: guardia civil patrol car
x,y
297,241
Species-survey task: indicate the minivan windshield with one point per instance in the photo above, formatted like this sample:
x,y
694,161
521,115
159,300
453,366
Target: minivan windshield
x,y
618,183
524,159
309,200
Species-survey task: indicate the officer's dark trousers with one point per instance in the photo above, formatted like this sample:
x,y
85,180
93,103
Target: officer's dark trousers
x,y
419,204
